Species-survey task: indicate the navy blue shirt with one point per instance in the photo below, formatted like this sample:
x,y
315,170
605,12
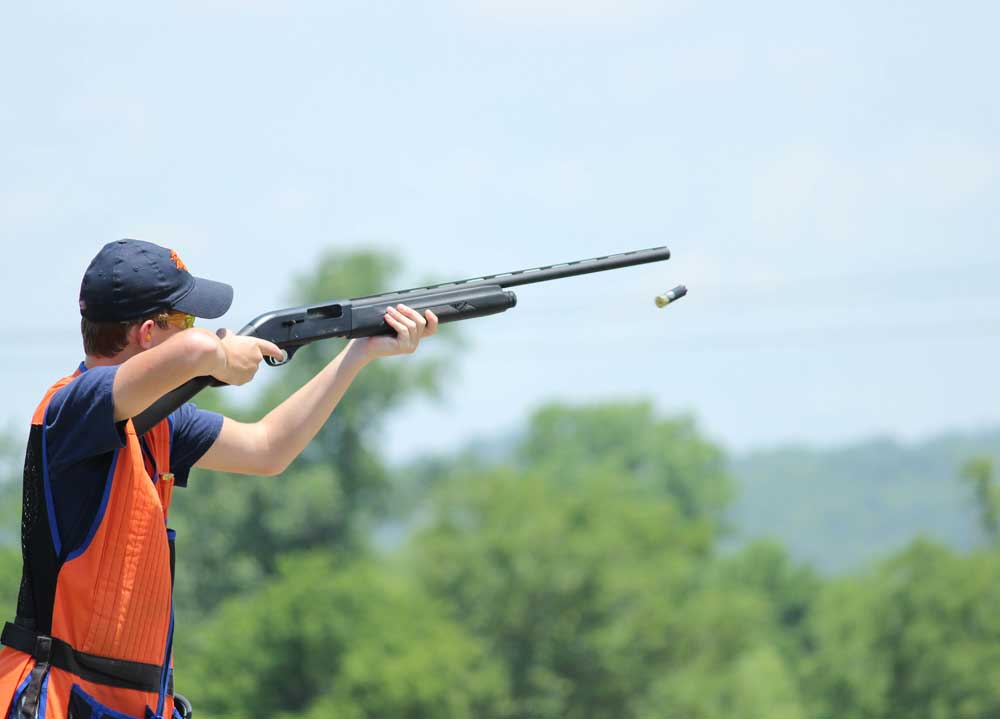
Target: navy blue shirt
x,y
81,438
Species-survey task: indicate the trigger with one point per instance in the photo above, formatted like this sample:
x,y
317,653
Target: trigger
x,y
277,363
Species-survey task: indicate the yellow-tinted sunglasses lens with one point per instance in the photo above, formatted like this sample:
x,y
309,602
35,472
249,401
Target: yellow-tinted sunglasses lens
x,y
181,319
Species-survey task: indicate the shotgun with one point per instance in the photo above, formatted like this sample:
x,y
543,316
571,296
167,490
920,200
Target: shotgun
x,y
293,328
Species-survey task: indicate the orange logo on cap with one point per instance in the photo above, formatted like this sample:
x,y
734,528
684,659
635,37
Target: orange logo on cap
x,y
178,261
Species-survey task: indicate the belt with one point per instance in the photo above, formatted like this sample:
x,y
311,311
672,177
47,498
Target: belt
x,y
90,667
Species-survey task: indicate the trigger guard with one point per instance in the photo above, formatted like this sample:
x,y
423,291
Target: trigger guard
x,y
277,363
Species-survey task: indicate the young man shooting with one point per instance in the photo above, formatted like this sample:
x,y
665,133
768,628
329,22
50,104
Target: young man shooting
x,y
94,626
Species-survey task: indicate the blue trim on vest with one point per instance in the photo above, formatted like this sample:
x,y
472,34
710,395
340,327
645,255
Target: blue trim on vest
x,y
164,681
148,453
165,672
18,693
100,510
170,440
50,505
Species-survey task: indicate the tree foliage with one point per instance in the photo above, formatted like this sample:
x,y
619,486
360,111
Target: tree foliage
x,y
582,565
918,636
323,638
980,474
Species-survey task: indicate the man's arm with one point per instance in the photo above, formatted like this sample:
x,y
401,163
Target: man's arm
x,y
148,375
268,446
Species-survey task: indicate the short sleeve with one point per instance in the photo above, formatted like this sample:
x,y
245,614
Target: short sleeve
x,y
192,432
80,419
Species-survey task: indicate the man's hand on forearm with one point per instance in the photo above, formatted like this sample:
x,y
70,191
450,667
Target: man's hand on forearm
x,y
410,326
294,423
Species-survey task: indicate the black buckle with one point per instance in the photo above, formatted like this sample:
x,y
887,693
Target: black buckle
x,y
43,649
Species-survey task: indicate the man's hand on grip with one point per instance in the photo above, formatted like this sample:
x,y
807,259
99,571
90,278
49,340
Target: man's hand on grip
x,y
243,356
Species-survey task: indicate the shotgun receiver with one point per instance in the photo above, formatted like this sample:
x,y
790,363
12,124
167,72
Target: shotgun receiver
x,y
296,327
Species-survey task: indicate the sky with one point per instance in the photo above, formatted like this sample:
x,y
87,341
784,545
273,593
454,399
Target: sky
x,y
825,174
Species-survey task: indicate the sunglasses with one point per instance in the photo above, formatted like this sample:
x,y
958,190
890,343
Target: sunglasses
x,y
181,320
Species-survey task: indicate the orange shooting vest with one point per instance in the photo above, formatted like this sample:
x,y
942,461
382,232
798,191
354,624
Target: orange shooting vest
x,y
94,624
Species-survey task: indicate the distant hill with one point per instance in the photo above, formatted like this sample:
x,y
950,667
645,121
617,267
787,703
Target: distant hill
x,y
841,508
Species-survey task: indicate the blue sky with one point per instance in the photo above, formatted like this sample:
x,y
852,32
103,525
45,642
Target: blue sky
x,y
826,176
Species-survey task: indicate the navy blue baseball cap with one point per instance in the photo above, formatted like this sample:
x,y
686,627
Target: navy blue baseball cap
x,y
131,279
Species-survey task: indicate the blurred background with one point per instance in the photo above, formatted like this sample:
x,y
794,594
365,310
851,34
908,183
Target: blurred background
x,y
776,499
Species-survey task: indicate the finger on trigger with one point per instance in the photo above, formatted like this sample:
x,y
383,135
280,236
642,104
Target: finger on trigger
x,y
271,349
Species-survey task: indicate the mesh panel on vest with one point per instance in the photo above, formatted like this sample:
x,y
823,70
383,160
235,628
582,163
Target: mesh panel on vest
x,y
37,594
30,503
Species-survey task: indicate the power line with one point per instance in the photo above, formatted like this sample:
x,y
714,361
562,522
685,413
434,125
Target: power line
x,y
819,336
816,337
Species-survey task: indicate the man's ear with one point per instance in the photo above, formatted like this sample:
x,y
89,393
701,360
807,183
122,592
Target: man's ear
x,y
145,335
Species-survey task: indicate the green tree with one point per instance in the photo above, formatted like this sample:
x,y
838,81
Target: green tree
x,y
557,583
979,473
919,638
321,639
584,564
739,677
666,457
11,463
10,578
790,590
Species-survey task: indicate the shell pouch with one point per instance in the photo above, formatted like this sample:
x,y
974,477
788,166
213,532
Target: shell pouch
x,y
84,706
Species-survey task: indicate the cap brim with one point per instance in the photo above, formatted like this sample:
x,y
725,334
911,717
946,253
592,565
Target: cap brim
x,y
208,299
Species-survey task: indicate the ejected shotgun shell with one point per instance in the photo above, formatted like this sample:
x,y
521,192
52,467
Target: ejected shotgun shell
x,y
671,296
